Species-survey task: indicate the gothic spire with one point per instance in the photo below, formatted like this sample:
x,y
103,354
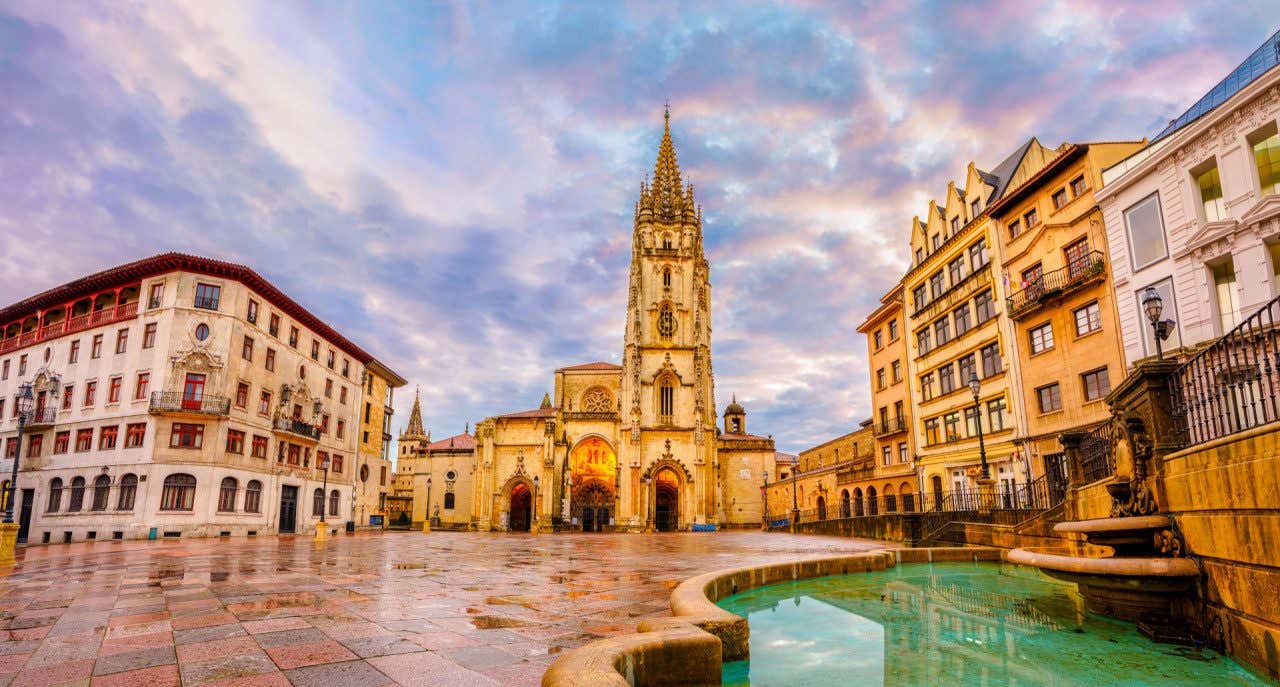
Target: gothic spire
x,y
666,197
415,430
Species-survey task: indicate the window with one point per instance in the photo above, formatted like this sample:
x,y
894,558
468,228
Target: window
x,y
259,449
937,284
253,497
923,339
936,241
1096,384
273,326
926,386
107,437
974,208
879,339
315,350
342,395
1227,297
1059,198
886,455
346,367
227,495
157,295
202,331
893,331
317,503
179,492
264,403
61,440
101,490
449,500
951,426
1209,185
880,378
931,431
1088,319
1031,219
666,321
235,441
1077,256
971,416
337,465
1033,280
918,297
22,364
942,330
134,434
207,296
1145,226
946,379
77,495
186,435
334,502
897,371
1266,155
1165,289
667,398
955,270
246,350
242,395
1015,228
368,410
128,492
293,337
984,306
1041,338
252,314
1049,398
968,368
122,341
11,448
961,316
55,495
329,363
84,439
72,356
95,350
328,388
324,423
955,225
342,429
1079,186
270,362
991,364
68,392
4,370
995,415
35,445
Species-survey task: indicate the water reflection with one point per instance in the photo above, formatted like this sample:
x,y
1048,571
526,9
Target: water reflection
x,y
952,624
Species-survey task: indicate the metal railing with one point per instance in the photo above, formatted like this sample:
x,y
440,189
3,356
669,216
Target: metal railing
x,y
70,325
890,426
1231,385
298,427
179,402
1097,452
38,417
1037,495
1054,283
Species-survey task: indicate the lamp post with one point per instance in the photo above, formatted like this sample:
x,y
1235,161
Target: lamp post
x,y
648,504
24,401
533,506
795,503
985,483
322,528
1153,306
426,516
764,501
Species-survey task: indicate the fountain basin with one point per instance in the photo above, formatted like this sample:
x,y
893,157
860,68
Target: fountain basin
x,y
1127,588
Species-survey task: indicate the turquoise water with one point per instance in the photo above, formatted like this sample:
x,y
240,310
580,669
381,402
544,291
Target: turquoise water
x,y
942,624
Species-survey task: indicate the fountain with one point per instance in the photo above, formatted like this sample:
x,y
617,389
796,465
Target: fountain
x,y
1132,567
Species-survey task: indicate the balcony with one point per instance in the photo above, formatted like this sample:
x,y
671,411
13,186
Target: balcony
x,y
297,428
889,426
856,473
1053,285
71,325
41,418
177,403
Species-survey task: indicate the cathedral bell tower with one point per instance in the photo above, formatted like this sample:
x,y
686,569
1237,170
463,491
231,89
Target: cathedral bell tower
x,y
668,410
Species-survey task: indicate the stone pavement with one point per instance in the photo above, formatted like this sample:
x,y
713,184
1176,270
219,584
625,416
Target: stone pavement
x,y
447,609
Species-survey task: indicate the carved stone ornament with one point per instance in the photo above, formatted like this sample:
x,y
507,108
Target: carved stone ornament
x,y
1168,543
1140,502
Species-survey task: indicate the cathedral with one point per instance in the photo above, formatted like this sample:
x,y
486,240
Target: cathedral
x,y
634,447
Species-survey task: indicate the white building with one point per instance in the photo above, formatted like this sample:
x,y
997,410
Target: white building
x,y
177,396
1196,213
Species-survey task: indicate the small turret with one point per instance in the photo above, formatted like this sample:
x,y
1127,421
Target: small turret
x,y
735,418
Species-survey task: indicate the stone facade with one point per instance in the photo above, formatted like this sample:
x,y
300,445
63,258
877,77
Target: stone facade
x,y
890,368
374,474
193,398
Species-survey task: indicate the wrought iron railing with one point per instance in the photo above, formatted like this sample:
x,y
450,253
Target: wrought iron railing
x,y
298,427
890,426
179,402
41,416
1232,384
1037,495
1054,283
1097,452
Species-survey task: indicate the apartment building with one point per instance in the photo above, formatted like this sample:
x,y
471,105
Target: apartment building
x,y
178,396
894,471
373,477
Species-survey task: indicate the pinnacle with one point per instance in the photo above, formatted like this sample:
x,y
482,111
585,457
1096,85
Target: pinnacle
x,y
667,197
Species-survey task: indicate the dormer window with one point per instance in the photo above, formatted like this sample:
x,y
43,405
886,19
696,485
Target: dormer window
x,y
955,224
974,208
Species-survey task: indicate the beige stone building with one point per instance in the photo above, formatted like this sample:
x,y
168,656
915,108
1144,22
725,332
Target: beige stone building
x,y
893,481
178,396
632,447
374,475
825,478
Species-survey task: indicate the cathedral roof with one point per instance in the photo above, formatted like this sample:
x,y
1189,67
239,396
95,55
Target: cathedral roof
x,y
414,430
666,198
731,436
591,366
535,413
463,442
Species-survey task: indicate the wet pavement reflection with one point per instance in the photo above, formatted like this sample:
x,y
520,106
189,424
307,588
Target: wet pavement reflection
x,y
405,608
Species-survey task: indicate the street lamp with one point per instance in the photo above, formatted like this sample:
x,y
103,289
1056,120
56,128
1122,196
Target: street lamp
x,y
1153,306
764,500
534,506
24,401
324,465
426,520
975,386
795,504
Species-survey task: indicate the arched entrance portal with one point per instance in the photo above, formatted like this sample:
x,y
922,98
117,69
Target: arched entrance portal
x,y
666,504
593,470
521,512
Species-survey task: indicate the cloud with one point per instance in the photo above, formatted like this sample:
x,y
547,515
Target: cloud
x,y
452,184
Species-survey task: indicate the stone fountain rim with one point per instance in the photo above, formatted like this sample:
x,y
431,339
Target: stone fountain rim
x,y
1129,524
1128,566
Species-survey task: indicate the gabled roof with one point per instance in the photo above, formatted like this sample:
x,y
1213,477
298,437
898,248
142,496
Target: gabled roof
x,y
461,442
1259,62
535,413
1007,168
590,366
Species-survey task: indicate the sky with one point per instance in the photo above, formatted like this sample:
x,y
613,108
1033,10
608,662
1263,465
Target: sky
x,y
451,184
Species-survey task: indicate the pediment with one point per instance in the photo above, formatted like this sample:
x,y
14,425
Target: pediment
x,y
1209,233
1263,210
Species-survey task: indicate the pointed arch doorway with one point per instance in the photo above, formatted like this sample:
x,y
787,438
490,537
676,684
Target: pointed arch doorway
x,y
521,512
666,501
593,469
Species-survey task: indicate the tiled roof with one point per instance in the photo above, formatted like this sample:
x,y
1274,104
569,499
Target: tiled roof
x,y
591,366
535,413
461,442
780,457
743,437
